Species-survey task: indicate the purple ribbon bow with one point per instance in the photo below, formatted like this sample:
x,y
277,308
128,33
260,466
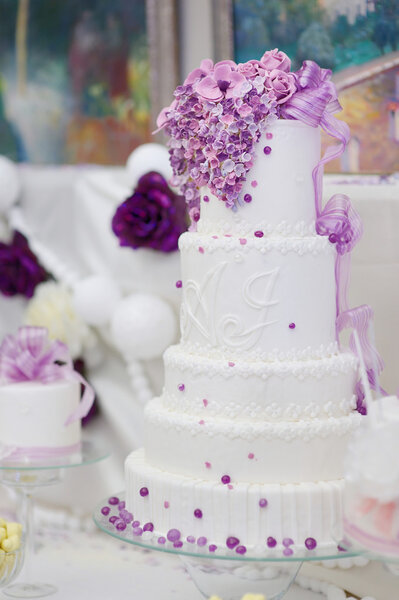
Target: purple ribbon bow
x,y
30,356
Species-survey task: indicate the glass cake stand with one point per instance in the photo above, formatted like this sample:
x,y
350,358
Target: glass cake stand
x,y
223,572
28,477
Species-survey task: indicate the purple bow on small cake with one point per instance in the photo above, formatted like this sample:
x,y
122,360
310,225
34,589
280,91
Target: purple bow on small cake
x,y
30,356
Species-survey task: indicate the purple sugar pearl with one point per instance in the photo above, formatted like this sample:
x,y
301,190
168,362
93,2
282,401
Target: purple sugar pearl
x,y
113,519
105,510
267,150
225,479
179,283
288,552
161,540
181,387
177,544
241,549
287,542
206,198
191,539
126,515
136,524
202,541
173,535
263,502
144,492
269,135
137,531
247,198
292,325
148,527
198,513
333,238
232,542
212,548
271,542
120,524
113,500
259,234
121,505
310,543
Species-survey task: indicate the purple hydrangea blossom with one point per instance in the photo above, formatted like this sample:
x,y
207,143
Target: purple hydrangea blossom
x,y
152,217
20,270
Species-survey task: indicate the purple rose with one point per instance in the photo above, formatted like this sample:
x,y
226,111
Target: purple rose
x,y
152,217
283,85
20,271
275,59
251,69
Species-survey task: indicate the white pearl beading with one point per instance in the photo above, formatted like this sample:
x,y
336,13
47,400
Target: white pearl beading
x,y
242,227
331,592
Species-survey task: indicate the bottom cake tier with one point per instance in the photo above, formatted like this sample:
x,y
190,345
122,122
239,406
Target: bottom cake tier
x,y
243,516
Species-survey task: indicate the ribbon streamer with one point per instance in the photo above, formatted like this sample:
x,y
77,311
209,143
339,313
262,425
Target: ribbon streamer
x,y
30,356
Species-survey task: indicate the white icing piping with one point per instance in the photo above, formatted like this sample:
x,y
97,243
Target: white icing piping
x,y
243,227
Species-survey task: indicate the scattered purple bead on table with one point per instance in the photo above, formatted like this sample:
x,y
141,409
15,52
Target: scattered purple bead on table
x,y
241,549
310,543
251,455
205,402
269,135
263,502
144,492
136,524
287,542
254,183
208,465
206,198
198,513
105,510
191,539
201,422
181,387
166,504
247,198
212,548
292,325
231,364
225,479
230,486
201,541
259,234
243,241
113,500
148,527
120,524
113,519
232,542
267,150
173,535
271,542
288,552
179,283
161,540
201,250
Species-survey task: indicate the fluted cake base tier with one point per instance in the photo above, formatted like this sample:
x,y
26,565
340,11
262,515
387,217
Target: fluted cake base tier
x,y
207,513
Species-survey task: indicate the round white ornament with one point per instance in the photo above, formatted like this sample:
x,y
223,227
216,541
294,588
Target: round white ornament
x,y
10,185
95,299
146,158
143,326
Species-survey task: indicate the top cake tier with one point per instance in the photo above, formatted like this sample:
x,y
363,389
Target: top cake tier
x,y
279,192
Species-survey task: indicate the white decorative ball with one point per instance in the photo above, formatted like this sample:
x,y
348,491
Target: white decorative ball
x,y
95,299
143,326
146,158
10,185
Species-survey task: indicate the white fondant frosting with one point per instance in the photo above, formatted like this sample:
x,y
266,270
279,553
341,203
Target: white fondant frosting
x,y
33,414
257,391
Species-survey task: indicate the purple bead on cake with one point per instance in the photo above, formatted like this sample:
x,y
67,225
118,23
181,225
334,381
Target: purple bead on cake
x,y
121,505
241,549
144,492
212,548
206,198
137,531
126,515
247,198
161,540
136,524
113,500
269,135
271,542
120,524
292,325
177,544
288,542
259,234
263,502
201,541
310,543
288,552
267,150
191,539
181,387
148,527
198,513
232,542
105,510
173,535
225,479
113,519
179,283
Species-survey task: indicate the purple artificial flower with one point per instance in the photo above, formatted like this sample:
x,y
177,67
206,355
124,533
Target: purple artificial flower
x,y
152,217
283,85
20,271
251,69
276,59
163,116
205,68
224,82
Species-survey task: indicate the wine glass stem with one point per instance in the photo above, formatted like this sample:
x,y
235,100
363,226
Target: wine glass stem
x,y
30,532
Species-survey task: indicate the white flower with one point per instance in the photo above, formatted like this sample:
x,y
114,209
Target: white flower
x,y
52,307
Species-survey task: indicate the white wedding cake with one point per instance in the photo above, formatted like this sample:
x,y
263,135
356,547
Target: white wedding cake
x,y
244,449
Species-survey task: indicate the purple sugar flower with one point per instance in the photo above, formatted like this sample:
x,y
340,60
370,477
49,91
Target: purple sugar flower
x,y
224,82
152,217
282,85
275,59
20,271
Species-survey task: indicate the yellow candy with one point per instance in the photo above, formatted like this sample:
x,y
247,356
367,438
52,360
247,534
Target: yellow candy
x,y
11,543
2,522
2,556
3,534
13,528
254,597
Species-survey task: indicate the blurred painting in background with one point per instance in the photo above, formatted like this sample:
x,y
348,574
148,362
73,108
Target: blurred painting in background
x,y
359,41
74,80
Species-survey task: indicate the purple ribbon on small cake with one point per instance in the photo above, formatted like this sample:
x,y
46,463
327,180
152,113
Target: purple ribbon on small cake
x,y
31,356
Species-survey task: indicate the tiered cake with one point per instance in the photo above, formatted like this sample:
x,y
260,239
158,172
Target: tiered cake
x,y
248,438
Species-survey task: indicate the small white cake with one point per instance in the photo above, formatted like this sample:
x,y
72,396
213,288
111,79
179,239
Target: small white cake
x,y
372,480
